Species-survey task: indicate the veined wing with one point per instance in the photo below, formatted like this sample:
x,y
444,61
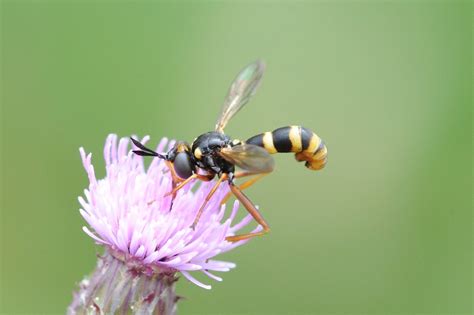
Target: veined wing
x,y
241,90
249,157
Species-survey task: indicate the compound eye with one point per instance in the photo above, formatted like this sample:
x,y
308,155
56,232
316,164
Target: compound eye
x,y
183,165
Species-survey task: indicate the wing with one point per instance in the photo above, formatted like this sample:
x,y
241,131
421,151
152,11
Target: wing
x,y
243,87
249,157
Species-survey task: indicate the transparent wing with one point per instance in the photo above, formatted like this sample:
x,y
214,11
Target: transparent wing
x,y
241,90
249,157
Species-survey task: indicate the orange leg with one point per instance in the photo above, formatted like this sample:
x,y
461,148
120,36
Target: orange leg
x,y
180,185
208,197
174,176
182,182
253,212
187,180
178,182
244,185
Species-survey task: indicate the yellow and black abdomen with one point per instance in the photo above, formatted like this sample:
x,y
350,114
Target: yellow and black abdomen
x,y
306,145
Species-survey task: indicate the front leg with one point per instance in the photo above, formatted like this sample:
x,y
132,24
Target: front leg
x,y
204,178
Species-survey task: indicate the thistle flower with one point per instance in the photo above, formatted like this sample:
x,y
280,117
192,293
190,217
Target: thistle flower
x,y
147,235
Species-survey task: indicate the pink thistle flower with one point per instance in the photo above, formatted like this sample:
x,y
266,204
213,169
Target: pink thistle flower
x,y
129,213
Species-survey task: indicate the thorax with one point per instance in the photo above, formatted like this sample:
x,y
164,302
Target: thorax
x,y
206,149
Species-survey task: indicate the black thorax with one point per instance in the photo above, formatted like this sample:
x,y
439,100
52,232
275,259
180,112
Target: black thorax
x,y
206,152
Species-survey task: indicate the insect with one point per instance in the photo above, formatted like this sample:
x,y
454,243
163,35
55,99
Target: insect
x,y
216,154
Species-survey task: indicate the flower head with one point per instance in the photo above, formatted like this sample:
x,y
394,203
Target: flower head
x,y
130,213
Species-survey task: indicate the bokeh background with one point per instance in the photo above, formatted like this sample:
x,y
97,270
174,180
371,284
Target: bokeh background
x,y
385,228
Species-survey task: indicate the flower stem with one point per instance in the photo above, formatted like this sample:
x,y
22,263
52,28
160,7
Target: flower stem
x,y
118,286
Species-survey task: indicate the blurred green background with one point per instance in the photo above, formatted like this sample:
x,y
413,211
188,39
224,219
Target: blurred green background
x,y
385,228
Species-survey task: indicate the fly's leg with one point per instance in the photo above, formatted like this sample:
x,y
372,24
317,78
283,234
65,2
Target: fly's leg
x,y
205,178
178,182
208,197
246,184
253,212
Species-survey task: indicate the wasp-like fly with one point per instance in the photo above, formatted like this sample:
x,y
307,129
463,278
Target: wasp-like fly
x,y
214,153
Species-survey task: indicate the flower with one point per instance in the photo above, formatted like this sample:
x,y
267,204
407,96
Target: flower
x,y
130,213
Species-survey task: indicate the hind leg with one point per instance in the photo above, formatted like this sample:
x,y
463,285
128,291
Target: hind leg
x,y
250,207
245,184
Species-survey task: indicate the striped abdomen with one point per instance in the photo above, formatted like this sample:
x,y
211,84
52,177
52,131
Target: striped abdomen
x,y
306,145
